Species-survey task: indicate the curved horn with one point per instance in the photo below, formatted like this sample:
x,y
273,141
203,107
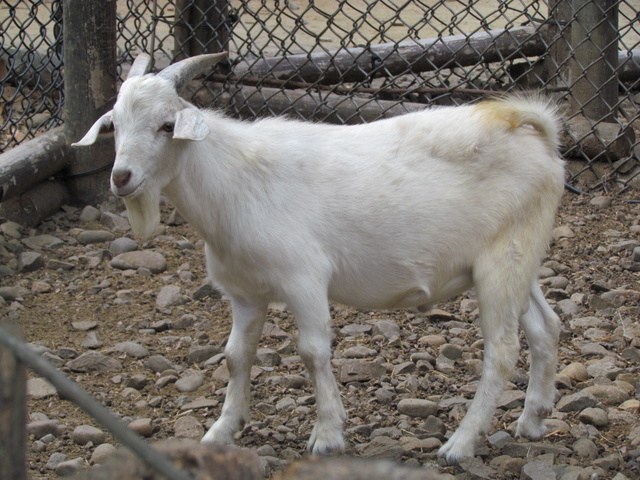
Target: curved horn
x,y
185,70
139,66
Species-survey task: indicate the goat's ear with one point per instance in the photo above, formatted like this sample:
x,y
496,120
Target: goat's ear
x,y
190,125
104,123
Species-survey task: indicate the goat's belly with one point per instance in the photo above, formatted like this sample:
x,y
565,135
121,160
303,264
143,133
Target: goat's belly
x,y
387,296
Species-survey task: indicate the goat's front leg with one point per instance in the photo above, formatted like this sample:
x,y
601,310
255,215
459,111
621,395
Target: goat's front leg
x,y
248,321
314,345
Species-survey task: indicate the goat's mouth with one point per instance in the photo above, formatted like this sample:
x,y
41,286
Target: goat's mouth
x,y
129,190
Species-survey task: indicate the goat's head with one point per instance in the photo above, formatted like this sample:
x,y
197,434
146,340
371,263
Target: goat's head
x,y
151,122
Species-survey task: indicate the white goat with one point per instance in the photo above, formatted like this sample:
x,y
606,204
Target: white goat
x,y
407,211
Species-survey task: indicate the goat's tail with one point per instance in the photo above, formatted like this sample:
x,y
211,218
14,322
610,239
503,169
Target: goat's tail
x,y
525,110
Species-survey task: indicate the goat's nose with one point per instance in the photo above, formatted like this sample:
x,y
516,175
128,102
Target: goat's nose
x,y
120,177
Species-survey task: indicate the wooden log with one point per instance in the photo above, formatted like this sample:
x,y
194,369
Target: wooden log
x,y
90,85
362,63
251,102
13,415
206,461
30,163
594,42
35,205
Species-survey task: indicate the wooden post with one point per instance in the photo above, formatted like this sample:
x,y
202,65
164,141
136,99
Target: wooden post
x,y
594,41
90,90
13,417
201,26
557,33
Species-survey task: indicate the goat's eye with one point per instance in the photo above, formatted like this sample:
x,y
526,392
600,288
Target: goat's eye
x,y
167,127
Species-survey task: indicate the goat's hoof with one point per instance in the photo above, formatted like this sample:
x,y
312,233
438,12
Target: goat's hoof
x,y
533,429
455,450
325,444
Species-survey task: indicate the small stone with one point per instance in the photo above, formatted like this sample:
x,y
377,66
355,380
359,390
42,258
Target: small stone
x,y
11,229
158,364
89,214
415,407
40,388
585,448
150,260
267,357
202,353
69,467
84,325
576,402
84,434
450,351
114,222
600,202
142,427
40,428
358,370
189,382
607,394
132,349
537,470
89,237
188,427
101,453
93,362
594,416
359,351
170,296
563,232
92,341
386,328
30,262
123,245
42,242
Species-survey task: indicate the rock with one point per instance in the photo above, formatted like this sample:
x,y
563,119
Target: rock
x,y
42,242
432,340
170,296
132,349
475,469
40,428
158,364
69,467
138,381
576,402
200,403
89,237
563,232
607,394
123,245
200,354
84,325
93,362
142,427
500,439
206,290
39,388
452,352
150,260
534,449
354,329
190,382
511,399
585,448
600,202
267,357
188,427
415,407
575,371
386,328
380,447
537,470
359,351
30,262
114,222
594,416
102,453
358,370
56,459
92,341
84,434
89,214
11,294
12,230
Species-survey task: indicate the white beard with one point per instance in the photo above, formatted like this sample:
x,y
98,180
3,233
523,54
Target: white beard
x,y
144,213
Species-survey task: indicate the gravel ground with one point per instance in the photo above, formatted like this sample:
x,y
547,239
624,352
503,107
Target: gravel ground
x,y
144,333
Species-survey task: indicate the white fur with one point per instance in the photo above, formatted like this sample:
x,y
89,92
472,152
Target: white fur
x,y
407,211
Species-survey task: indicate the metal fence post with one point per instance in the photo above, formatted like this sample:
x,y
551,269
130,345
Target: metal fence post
x,y
13,416
594,41
90,86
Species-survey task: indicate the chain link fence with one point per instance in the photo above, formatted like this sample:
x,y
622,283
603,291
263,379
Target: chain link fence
x,y
354,61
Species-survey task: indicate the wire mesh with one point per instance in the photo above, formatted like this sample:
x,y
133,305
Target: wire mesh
x,y
354,61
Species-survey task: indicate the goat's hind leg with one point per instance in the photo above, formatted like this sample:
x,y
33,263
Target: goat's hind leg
x,y
248,321
502,294
541,327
